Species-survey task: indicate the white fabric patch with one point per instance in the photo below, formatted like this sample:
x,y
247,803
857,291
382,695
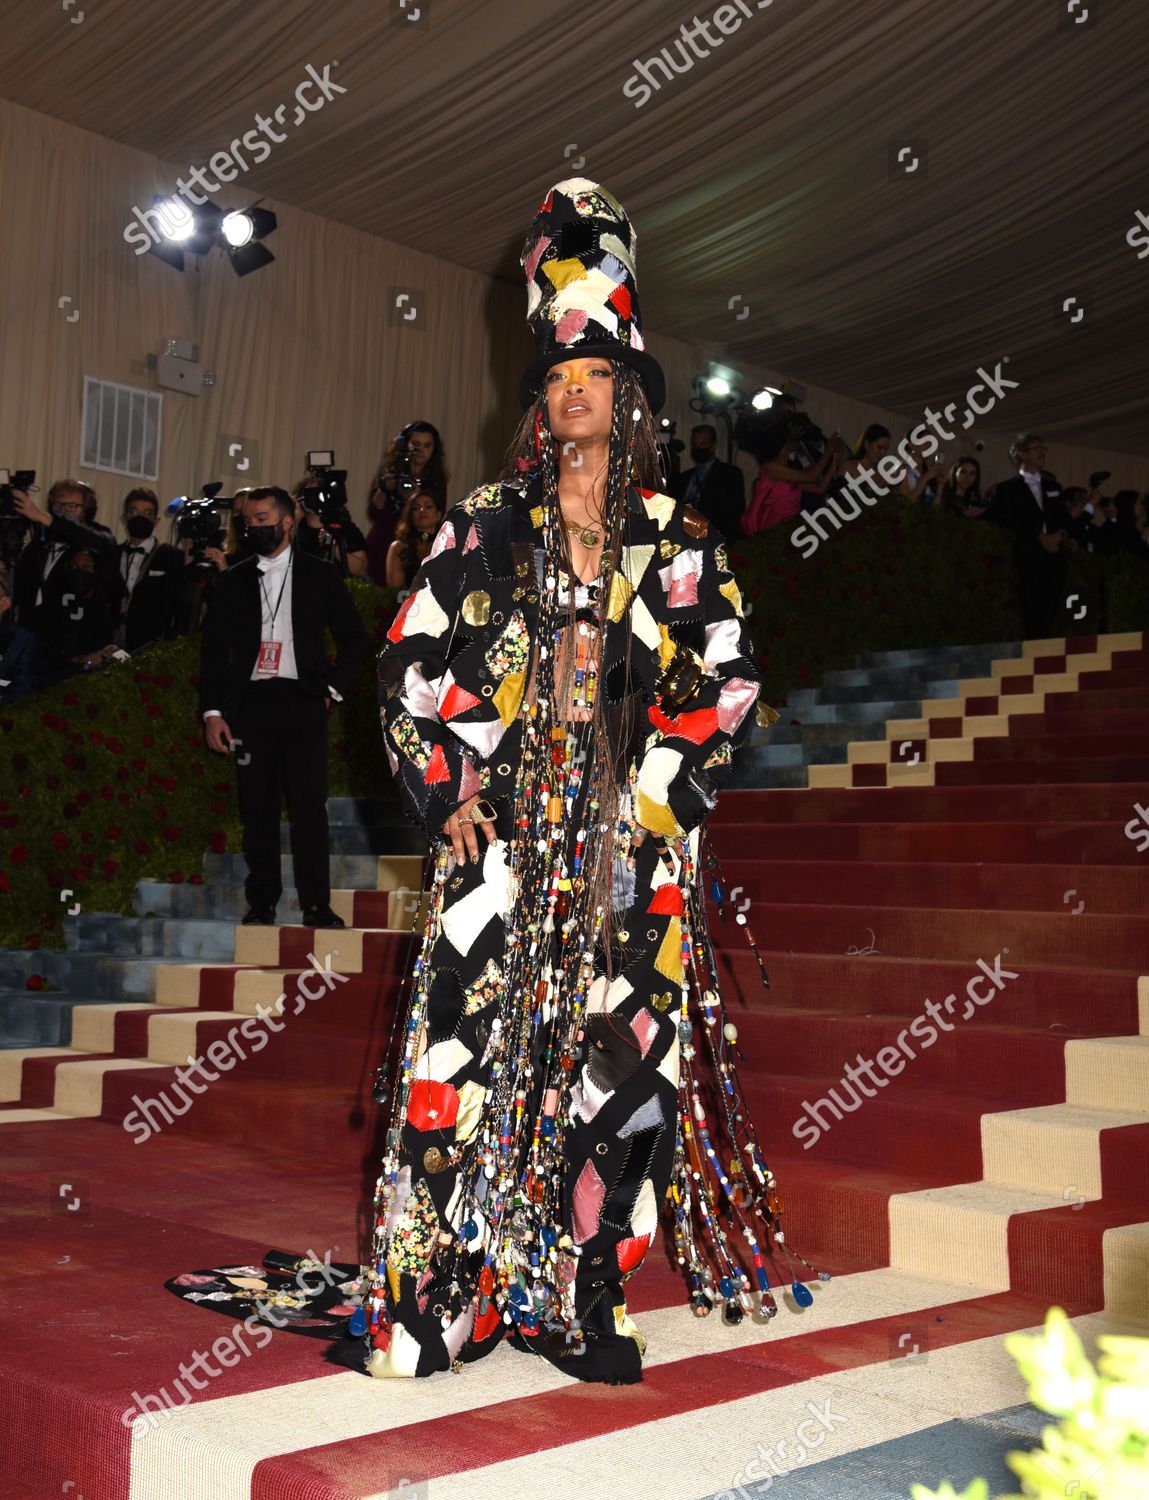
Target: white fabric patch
x,y
417,696
463,921
723,639
425,616
444,1060
642,624
659,768
644,1219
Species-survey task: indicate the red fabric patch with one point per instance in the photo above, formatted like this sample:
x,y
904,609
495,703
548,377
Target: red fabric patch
x,y
696,726
659,720
631,1252
485,1324
432,1105
457,701
437,768
619,299
395,634
666,901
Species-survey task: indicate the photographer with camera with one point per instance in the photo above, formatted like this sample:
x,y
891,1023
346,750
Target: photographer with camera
x,y
266,688
42,584
781,488
151,572
414,460
323,523
232,550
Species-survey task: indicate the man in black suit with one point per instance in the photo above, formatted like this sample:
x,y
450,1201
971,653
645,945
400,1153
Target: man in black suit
x,y
1031,506
44,595
716,489
266,688
150,573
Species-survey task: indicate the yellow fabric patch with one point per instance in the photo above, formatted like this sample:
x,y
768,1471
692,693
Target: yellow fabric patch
x,y
538,516
509,695
621,593
766,715
656,816
730,590
471,1097
561,273
393,1281
635,561
659,508
666,649
669,960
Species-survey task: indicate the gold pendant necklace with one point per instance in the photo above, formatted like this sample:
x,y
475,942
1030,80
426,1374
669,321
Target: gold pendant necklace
x,y
587,535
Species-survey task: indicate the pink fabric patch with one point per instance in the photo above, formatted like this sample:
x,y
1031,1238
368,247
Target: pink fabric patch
x,y
570,325
468,781
444,541
680,578
645,1028
734,702
472,539
586,1205
189,1278
531,264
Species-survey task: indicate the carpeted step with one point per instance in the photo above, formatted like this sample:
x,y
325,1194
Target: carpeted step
x,y
1019,772
1118,889
928,804
1067,1001
1025,938
1028,842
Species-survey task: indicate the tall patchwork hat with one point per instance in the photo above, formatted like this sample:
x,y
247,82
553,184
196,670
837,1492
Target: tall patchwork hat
x,y
582,295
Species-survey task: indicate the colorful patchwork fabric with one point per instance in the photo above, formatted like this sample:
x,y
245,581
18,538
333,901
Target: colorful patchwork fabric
x,y
468,630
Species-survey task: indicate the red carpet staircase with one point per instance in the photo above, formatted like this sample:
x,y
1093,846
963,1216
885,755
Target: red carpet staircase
x,y
1010,1152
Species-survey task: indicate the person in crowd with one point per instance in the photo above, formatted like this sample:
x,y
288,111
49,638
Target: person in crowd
x,y
414,534
91,510
716,489
39,584
337,540
1129,518
266,687
1078,517
781,489
150,572
414,459
919,483
21,660
83,639
871,448
1030,506
961,489
232,550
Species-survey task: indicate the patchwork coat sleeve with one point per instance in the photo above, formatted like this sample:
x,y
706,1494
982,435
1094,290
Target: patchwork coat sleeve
x,y
688,757
430,764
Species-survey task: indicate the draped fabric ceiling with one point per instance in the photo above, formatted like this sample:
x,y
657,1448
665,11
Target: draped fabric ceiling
x,y
775,222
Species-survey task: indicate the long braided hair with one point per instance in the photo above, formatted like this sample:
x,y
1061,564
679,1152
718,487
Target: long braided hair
x,y
632,459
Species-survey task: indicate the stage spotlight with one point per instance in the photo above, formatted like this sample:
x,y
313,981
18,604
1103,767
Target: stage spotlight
x,y
763,400
249,255
237,229
720,387
176,220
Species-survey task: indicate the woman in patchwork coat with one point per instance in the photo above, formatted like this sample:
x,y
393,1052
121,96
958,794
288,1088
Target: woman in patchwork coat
x,y
560,696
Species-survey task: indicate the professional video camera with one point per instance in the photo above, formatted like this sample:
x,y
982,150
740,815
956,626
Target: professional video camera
x,y
325,491
199,519
13,525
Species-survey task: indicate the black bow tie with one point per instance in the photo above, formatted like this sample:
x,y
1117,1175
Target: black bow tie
x,y
139,550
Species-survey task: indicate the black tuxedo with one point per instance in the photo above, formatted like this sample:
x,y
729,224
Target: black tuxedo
x,y
279,724
149,612
722,499
231,632
1040,573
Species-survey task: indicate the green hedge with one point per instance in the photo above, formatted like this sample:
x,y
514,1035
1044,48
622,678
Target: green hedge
x,y
107,780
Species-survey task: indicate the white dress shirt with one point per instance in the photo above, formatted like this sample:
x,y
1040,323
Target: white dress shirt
x,y
132,563
275,599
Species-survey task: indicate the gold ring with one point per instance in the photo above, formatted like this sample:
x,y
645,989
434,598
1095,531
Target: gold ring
x,y
483,812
